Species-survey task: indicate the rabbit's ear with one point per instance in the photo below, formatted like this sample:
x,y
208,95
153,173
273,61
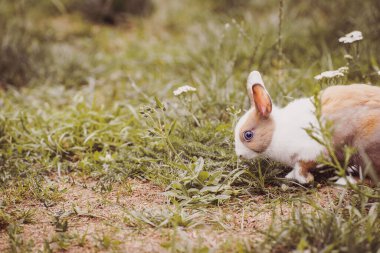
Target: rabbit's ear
x,y
258,94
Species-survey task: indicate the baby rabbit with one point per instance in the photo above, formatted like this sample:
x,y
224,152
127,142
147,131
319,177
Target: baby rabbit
x,y
279,133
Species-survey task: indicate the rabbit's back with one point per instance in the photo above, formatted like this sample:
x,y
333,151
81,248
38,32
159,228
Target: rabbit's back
x,y
355,113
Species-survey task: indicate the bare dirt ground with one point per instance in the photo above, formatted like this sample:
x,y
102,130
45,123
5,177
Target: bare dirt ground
x,y
101,222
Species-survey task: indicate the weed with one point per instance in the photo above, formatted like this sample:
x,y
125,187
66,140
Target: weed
x,y
323,229
175,217
16,241
107,242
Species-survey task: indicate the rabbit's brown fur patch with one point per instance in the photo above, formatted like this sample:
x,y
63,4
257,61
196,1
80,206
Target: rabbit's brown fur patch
x,y
263,129
355,113
306,166
370,124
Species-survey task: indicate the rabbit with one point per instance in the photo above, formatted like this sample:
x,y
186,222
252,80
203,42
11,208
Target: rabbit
x,y
266,130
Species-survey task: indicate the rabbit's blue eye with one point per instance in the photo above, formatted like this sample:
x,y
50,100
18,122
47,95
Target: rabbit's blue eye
x,y
248,135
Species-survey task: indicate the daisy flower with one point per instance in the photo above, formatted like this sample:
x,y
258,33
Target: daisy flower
x,y
332,74
184,89
351,37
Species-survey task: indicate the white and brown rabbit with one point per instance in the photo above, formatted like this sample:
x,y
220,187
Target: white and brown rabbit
x,y
279,133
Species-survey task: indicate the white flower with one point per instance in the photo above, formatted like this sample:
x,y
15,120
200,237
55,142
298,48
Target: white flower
x,y
332,73
328,74
348,57
378,72
351,37
105,167
107,158
183,89
343,70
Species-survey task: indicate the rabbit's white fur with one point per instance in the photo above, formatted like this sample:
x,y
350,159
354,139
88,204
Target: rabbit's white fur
x,y
240,149
290,142
289,137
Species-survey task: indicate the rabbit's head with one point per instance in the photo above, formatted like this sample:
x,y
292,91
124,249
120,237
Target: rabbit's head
x,y
254,130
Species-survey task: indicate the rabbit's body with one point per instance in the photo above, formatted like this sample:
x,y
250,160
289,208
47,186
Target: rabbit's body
x,y
290,142
355,113
279,133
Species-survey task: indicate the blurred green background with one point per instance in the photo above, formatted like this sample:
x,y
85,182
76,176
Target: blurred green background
x,y
115,34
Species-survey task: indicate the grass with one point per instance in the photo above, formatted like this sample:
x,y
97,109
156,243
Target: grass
x,y
97,154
